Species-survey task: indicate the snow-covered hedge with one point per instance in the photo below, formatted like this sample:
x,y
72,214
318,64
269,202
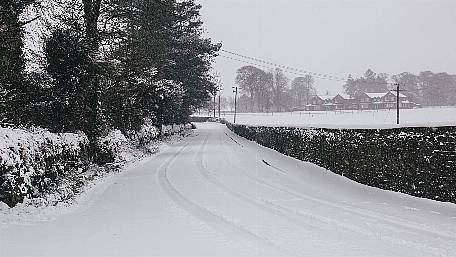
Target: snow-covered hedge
x,y
32,161
35,162
113,145
416,161
146,134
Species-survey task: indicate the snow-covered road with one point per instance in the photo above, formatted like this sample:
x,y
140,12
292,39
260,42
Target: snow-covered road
x,y
216,194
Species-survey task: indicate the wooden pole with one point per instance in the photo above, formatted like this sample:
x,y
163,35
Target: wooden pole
x,y
215,93
219,106
397,104
235,104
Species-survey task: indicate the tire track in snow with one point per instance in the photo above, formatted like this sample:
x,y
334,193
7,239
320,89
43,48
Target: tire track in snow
x,y
350,227
297,216
258,203
234,140
364,213
218,222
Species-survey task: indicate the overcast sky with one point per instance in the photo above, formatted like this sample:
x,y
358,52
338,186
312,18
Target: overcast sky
x,y
336,37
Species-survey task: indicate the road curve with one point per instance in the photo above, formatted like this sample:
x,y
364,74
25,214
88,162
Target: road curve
x,y
216,194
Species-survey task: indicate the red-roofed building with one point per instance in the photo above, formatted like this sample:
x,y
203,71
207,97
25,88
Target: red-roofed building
x,y
364,101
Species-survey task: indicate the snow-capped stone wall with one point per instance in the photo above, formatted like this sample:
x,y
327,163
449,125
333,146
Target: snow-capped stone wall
x,y
32,161
418,161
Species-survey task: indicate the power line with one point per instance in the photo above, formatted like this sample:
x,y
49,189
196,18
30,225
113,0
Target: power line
x,y
301,71
262,66
294,71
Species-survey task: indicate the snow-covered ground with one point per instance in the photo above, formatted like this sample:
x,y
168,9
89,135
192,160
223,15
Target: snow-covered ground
x,y
352,119
216,194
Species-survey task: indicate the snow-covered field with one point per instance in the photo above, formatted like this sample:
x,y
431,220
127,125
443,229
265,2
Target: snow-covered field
x,y
216,194
352,119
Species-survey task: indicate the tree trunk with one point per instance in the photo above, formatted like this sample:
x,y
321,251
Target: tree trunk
x,y
91,15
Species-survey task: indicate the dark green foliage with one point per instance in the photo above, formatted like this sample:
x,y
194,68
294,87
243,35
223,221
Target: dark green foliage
x,y
109,65
163,63
40,166
13,88
155,65
71,68
67,61
39,110
416,161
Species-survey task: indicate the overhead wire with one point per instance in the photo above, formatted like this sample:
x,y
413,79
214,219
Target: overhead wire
x,y
290,70
263,66
285,67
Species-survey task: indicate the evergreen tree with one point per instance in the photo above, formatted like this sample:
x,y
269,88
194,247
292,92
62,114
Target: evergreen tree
x,y
163,62
192,57
13,89
155,64
67,60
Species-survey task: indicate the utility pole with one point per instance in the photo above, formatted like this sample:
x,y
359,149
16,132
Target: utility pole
x,y
216,88
219,105
398,107
215,94
235,102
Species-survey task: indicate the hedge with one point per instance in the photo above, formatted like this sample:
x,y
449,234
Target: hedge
x,y
418,161
33,161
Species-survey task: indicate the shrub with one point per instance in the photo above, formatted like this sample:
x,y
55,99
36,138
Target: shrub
x,y
112,145
32,162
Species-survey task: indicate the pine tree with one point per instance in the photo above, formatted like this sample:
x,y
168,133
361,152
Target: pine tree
x,y
67,60
192,58
13,89
163,60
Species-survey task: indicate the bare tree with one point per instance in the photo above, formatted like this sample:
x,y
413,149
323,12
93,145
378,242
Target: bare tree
x,y
302,90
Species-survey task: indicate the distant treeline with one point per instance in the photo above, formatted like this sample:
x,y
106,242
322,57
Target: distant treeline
x,y
427,88
270,91
104,65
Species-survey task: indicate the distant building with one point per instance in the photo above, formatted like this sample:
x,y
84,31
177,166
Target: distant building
x,y
388,100
321,103
364,101
344,102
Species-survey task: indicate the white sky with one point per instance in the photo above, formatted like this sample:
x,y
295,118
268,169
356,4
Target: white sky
x,y
336,37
